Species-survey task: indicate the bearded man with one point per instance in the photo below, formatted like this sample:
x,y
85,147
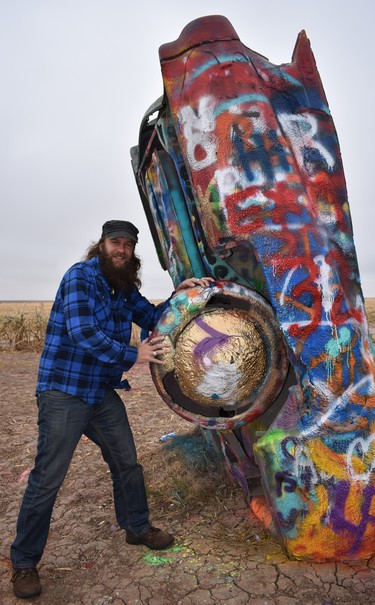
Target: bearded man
x,y
86,352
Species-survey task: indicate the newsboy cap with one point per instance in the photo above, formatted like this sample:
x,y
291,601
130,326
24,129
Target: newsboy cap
x,y
120,229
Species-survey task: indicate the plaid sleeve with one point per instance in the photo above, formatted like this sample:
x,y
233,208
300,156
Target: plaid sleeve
x,y
145,314
83,327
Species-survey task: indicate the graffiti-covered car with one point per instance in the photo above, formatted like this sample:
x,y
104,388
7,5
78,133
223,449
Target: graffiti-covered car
x,y
239,171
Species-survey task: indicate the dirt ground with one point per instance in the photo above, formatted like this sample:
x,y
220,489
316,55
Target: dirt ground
x,y
221,554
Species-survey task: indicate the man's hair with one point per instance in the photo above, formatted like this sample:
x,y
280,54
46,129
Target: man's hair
x,y
124,279
94,249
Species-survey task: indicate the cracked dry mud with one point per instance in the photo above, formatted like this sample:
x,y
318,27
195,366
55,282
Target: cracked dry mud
x,y
220,556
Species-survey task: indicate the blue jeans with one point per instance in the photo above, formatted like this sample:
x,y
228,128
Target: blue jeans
x,y
63,419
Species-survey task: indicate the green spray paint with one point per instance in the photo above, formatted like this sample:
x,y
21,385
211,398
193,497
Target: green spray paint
x,y
168,556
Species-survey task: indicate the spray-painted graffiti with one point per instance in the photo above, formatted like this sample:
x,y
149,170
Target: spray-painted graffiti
x,y
361,449
242,174
340,488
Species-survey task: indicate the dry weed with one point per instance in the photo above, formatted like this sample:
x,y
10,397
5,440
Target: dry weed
x,y
186,473
187,477
23,331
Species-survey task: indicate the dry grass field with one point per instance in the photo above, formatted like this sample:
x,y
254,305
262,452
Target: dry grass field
x,y
27,307
370,311
23,323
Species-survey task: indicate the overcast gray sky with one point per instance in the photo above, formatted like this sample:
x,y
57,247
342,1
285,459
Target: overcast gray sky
x,y
76,78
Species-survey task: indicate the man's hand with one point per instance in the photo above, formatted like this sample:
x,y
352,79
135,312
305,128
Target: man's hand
x,y
191,282
150,348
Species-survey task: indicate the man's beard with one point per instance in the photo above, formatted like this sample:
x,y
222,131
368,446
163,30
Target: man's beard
x,y
124,278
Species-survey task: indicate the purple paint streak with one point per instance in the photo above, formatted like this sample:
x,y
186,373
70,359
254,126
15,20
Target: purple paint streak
x,y
210,342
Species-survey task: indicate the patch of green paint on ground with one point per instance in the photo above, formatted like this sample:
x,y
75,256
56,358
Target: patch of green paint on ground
x,y
168,556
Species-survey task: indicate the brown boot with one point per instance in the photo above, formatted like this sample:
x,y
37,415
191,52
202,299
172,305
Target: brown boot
x,y
26,583
153,538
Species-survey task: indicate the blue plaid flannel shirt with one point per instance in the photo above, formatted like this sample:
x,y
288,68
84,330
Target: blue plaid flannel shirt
x,y
87,339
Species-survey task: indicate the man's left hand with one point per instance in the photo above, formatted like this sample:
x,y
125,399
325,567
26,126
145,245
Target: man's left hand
x,y
192,282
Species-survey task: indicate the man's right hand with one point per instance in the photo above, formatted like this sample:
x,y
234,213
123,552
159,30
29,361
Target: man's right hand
x,y
150,348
